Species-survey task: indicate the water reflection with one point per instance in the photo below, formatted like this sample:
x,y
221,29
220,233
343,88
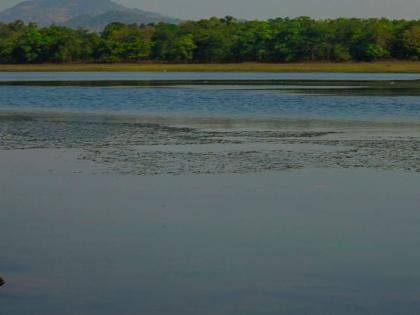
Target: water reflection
x,y
290,243
302,241
350,104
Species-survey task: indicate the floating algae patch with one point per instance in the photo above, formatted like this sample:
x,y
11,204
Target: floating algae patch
x,y
22,132
150,148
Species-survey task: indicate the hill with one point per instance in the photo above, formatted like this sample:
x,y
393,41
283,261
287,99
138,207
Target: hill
x,y
91,14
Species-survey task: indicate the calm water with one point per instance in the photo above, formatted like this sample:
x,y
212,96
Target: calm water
x,y
208,102
285,100
301,242
321,217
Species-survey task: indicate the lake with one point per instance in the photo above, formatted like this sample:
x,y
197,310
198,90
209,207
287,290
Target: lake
x,y
256,95
209,193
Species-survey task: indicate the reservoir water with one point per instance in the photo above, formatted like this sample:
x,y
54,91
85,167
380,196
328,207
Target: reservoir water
x,y
209,193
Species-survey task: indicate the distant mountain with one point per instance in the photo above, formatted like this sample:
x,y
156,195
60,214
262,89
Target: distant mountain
x,y
91,14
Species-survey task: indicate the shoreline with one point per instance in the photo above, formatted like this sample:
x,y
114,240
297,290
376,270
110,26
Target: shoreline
x,y
351,67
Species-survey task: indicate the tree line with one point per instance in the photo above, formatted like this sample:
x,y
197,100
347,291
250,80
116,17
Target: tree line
x,y
215,40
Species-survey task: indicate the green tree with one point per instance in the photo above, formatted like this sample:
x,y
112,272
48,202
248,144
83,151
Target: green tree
x,y
252,41
66,45
122,42
31,46
173,44
214,38
374,41
8,39
182,48
411,42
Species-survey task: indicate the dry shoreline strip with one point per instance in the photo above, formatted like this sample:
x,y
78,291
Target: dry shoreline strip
x,y
351,67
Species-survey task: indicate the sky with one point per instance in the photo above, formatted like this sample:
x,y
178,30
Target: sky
x,y
262,9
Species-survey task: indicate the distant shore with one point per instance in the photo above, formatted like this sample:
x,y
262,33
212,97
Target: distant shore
x,y
351,67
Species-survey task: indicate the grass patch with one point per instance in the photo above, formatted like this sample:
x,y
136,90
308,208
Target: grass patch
x,y
366,67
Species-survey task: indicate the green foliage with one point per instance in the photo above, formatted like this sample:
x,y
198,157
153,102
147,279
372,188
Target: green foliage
x,y
122,42
252,41
411,42
65,45
340,53
215,40
8,41
31,46
374,42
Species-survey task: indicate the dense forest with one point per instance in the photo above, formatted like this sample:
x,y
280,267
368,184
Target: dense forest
x,y
215,40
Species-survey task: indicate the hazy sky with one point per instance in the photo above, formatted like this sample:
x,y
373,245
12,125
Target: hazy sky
x,y
273,8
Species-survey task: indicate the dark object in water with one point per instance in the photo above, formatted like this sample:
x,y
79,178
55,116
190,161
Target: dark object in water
x,y
1,281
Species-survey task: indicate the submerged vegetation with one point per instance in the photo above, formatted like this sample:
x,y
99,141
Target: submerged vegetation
x,y
215,40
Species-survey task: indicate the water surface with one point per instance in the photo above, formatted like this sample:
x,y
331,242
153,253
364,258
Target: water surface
x,y
209,193
300,242
380,97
